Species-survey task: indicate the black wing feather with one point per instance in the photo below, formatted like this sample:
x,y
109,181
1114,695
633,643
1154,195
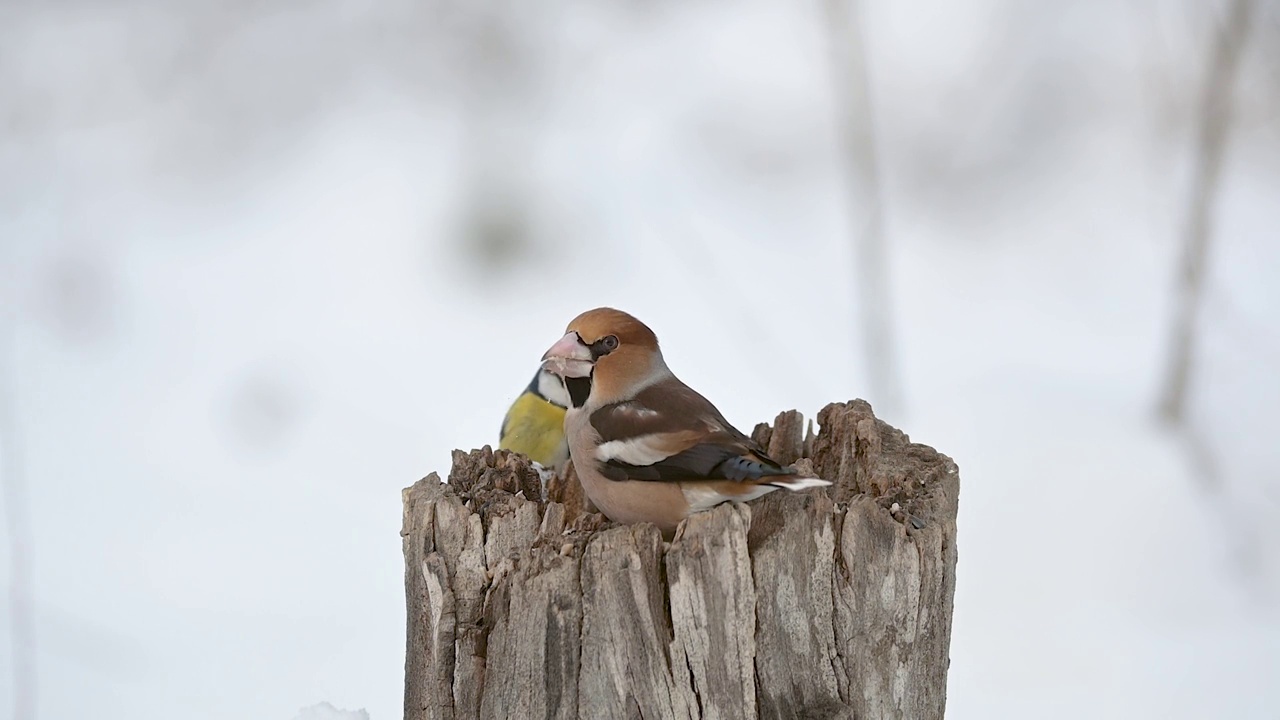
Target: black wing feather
x,y
727,454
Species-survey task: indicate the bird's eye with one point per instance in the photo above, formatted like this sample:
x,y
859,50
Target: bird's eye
x,y
604,346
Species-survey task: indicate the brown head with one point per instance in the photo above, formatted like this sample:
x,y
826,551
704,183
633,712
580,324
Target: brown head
x,y
616,352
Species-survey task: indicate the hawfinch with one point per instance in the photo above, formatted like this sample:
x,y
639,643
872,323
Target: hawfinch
x,y
647,447
535,423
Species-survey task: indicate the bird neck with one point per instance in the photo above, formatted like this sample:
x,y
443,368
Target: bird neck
x,y
617,387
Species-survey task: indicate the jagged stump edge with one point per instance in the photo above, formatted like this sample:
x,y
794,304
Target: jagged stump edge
x,y
827,603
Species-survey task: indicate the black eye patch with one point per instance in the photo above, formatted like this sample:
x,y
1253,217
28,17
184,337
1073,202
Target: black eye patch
x,y
603,346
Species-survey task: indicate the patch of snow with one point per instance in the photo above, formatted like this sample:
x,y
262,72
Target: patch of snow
x,y
325,711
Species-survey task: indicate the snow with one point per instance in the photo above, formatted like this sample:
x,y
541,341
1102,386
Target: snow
x,y
241,319
325,711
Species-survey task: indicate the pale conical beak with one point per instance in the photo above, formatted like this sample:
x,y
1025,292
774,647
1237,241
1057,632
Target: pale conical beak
x,y
569,358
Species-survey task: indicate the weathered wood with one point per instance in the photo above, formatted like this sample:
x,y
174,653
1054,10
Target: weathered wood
x,y
820,604
565,488
534,615
626,634
895,581
792,546
713,611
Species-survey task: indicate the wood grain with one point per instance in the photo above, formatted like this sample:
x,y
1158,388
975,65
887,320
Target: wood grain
x,y
832,604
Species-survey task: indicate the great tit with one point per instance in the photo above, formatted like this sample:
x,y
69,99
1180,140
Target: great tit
x,y
535,423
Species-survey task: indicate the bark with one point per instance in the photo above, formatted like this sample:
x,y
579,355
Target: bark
x,y
831,604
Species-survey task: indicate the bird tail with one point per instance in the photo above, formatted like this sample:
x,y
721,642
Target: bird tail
x,y
798,483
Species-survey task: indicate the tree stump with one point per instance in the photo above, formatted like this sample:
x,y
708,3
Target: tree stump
x,y
831,603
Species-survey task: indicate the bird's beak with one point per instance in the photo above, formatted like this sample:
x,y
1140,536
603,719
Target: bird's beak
x,y
569,358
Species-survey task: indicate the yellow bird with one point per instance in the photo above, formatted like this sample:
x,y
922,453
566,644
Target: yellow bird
x,y
535,423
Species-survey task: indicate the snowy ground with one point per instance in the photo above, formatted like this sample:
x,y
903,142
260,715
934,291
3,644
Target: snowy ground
x,y
240,319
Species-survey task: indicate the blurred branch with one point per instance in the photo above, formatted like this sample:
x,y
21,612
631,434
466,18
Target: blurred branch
x,y
866,206
1245,548
1213,124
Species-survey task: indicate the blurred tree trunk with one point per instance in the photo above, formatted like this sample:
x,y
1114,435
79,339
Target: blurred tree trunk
x,y
800,605
866,204
1212,127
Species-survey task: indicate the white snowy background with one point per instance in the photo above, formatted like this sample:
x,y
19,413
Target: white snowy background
x,y
263,265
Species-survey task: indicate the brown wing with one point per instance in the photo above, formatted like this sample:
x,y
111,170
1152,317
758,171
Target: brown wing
x,y
670,433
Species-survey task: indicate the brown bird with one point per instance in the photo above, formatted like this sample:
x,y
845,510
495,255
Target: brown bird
x,y
647,447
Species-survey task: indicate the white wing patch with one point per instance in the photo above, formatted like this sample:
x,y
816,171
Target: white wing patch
x,y
799,483
702,498
635,411
634,451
